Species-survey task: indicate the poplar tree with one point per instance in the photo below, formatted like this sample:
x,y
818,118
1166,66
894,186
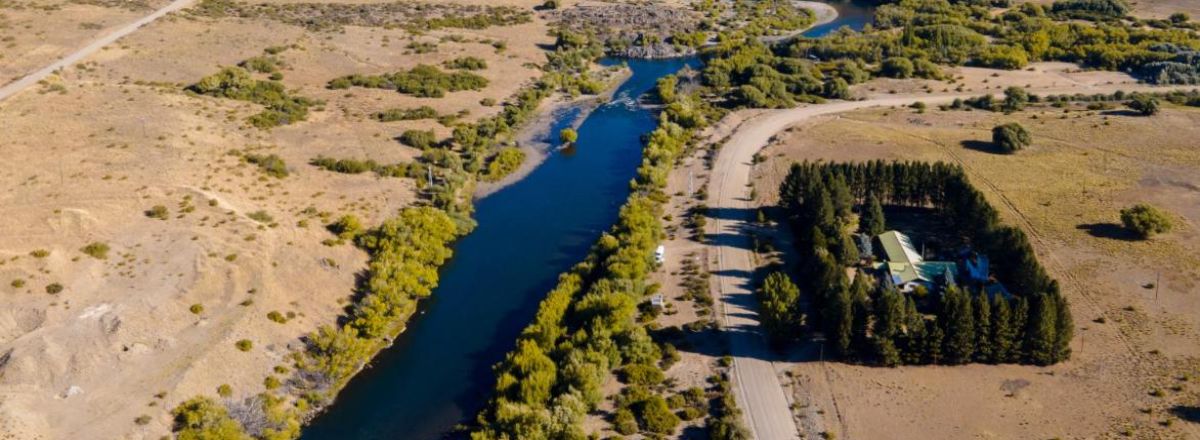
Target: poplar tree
x,y
777,299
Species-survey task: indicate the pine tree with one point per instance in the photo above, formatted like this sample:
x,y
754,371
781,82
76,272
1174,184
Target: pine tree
x,y
843,201
818,211
1042,331
1018,324
912,347
890,314
933,343
1065,326
959,327
914,322
886,352
838,321
847,250
872,221
983,329
1002,331
861,326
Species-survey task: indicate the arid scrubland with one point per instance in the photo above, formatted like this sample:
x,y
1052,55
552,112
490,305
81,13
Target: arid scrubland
x,y
218,259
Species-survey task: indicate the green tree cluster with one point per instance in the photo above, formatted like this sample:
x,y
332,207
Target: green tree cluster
x,y
422,81
777,299
586,326
1088,32
865,322
236,83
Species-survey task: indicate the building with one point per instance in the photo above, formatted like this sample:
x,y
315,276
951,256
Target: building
x,y
905,269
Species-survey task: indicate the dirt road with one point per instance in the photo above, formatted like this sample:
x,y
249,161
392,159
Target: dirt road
x,y
759,392
15,87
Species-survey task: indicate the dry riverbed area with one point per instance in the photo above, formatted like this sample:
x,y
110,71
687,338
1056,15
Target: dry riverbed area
x,y
139,246
1135,359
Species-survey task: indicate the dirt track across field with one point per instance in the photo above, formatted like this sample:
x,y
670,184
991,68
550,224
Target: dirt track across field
x,y
74,57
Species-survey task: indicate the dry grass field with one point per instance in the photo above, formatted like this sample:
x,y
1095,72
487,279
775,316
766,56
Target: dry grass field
x,y
35,33
1137,344
157,319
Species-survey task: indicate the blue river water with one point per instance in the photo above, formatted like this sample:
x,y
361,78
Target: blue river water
x,y
438,372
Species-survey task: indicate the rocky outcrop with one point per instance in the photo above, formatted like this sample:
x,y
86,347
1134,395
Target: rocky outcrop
x,y
633,31
654,51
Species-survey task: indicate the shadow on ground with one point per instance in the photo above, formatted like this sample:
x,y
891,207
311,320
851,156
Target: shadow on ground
x,y
982,146
1107,230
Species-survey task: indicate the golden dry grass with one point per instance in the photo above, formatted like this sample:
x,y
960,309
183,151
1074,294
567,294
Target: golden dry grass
x,y
122,137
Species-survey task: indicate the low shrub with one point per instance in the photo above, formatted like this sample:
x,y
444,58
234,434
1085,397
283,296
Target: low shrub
x,y
466,63
1010,137
421,139
422,81
159,212
406,114
271,164
1145,220
97,250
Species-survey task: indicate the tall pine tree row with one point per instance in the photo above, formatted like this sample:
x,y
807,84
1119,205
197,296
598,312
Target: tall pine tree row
x,y
1033,325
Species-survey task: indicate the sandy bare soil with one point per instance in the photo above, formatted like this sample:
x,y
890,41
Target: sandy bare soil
x,y
1164,8
1065,191
1154,8
157,320
34,33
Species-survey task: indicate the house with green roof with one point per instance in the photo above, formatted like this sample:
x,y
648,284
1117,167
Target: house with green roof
x,y
904,268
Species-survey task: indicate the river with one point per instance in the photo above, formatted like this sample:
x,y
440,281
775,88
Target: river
x,y
438,372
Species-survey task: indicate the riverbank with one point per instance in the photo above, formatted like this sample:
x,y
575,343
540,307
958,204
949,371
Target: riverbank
x,y
537,139
825,13
438,372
